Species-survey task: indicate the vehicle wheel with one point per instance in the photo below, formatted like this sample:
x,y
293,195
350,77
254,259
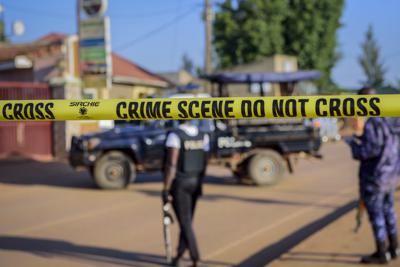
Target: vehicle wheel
x,y
266,167
114,170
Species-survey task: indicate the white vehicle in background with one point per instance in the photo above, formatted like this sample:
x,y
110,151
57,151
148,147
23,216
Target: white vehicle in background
x,y
329,129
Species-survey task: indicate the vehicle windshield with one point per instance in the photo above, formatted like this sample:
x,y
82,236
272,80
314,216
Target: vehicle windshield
x,y
205,126
149,123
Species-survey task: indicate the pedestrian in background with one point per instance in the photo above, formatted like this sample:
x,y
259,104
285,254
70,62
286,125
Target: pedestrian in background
x,y
378,152
185,166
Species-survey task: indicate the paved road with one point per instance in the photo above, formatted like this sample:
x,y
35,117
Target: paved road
x,y
51,215
335,245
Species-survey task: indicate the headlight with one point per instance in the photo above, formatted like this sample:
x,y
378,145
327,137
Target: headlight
x,y
92,143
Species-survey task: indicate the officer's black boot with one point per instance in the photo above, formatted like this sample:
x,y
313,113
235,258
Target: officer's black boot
x,y
394,247
379,257
177,261
198,264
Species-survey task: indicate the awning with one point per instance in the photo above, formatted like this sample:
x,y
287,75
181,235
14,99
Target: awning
x,y
189,86
261,77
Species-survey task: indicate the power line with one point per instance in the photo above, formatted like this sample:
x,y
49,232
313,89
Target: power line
x,y
36,12
115,16
150,14
392,55
155,31
174,35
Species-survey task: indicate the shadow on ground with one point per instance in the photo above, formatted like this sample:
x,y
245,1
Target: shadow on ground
x,y
321,257
277,249
22,171
50,248
30,172
209,179
211,197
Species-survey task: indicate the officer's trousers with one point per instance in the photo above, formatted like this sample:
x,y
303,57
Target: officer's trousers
x,y
381,212
185,194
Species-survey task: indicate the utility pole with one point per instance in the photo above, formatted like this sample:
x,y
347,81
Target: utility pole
x,y
18,27
78,27
2,25
208,17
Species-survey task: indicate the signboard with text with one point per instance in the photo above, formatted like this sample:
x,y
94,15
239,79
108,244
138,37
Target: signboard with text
x,y
95,51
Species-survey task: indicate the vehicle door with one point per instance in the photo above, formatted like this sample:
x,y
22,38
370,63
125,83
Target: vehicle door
x,y
225,143
153,140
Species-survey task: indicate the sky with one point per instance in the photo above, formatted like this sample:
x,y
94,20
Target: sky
x,y
156,33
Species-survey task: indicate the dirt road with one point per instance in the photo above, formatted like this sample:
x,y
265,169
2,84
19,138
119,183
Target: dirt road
x,y
51,215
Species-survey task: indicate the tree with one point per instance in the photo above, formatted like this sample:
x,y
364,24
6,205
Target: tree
x,y
226,35
259,28
2,32
310,34
251,30
371,62
187,64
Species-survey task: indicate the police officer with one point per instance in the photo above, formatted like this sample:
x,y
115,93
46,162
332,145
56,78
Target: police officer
x,y
377,150
185,165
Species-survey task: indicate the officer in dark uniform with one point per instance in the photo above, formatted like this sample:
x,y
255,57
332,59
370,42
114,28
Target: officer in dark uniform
x,y
377,150
185,165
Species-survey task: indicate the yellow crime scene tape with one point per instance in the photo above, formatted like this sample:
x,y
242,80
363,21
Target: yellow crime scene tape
x,y
202,108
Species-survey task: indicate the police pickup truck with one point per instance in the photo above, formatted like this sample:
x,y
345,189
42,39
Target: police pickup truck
x,y
256,151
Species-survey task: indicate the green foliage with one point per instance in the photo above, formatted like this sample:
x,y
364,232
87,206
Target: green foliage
x,y
2,32
248,32
258,28
226,35
370,61
310,34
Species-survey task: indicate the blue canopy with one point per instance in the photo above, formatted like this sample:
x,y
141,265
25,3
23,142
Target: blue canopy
x,y
261,77
189,86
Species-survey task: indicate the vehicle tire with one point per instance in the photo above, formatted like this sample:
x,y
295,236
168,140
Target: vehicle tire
x,y
114,170
266,167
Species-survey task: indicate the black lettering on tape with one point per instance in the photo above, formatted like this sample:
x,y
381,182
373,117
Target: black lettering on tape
x,y
320,102
153,110
141,110
18,107
120,106
181,109
38,111
48,109
5,115
205,109
362,110
193,115
166,108
303,106
229,108
259,108
376,110
348,107
132,110
277,108
334,107
217,109
245,108
291,108
28,111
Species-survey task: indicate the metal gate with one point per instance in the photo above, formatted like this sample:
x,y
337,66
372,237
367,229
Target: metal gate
x,y
31,139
